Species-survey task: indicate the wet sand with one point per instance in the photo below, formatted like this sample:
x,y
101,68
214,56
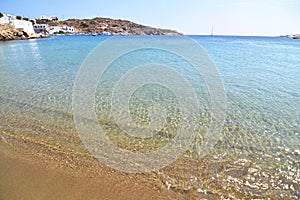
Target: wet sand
x,y
25,176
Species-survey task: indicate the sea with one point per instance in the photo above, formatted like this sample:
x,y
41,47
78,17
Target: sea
x,y
257,151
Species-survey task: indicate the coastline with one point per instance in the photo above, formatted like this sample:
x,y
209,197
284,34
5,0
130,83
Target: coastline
x,y
39,133
8,33
65,162
58,176
95,26
60,167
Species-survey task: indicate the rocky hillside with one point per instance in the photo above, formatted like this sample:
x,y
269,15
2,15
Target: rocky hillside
x,y
106,25
9,33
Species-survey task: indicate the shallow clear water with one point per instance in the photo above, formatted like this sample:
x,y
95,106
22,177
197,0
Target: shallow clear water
x,y
258,153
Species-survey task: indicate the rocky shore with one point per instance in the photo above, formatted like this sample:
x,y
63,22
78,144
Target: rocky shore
x,y
100,25
9,33
297,36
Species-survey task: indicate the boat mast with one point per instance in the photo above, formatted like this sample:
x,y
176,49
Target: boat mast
x,y
212,31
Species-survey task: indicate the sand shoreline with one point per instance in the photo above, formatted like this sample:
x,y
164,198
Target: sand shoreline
x,y
26,175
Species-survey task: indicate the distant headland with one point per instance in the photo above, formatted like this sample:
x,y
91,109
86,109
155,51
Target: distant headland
x,y
17,27
294,36
297,36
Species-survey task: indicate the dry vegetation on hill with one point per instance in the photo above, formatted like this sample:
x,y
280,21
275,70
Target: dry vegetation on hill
x,y
102,25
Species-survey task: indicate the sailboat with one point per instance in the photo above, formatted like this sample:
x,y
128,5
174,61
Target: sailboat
x,y
212,31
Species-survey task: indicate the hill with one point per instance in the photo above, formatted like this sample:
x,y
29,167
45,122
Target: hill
x,y
107,25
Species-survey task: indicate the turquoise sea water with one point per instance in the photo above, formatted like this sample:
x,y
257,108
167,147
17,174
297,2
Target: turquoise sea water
x,y
258,154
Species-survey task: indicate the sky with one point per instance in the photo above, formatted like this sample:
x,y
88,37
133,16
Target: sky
x,y
194,17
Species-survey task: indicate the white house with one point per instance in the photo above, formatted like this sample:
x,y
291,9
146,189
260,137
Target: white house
x,y
6,19
45,18
41,28
23,25
69,29
65,29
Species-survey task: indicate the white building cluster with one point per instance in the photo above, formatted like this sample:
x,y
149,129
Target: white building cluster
x,y
31,29
64,29
44,28
21,25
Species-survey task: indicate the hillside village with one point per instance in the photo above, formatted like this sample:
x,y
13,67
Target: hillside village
x,y
17,27
14,26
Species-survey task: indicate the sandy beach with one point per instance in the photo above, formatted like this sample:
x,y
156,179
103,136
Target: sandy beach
x,y
25,174
25,180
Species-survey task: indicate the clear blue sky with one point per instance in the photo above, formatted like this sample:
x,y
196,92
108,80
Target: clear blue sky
x,y
229,17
